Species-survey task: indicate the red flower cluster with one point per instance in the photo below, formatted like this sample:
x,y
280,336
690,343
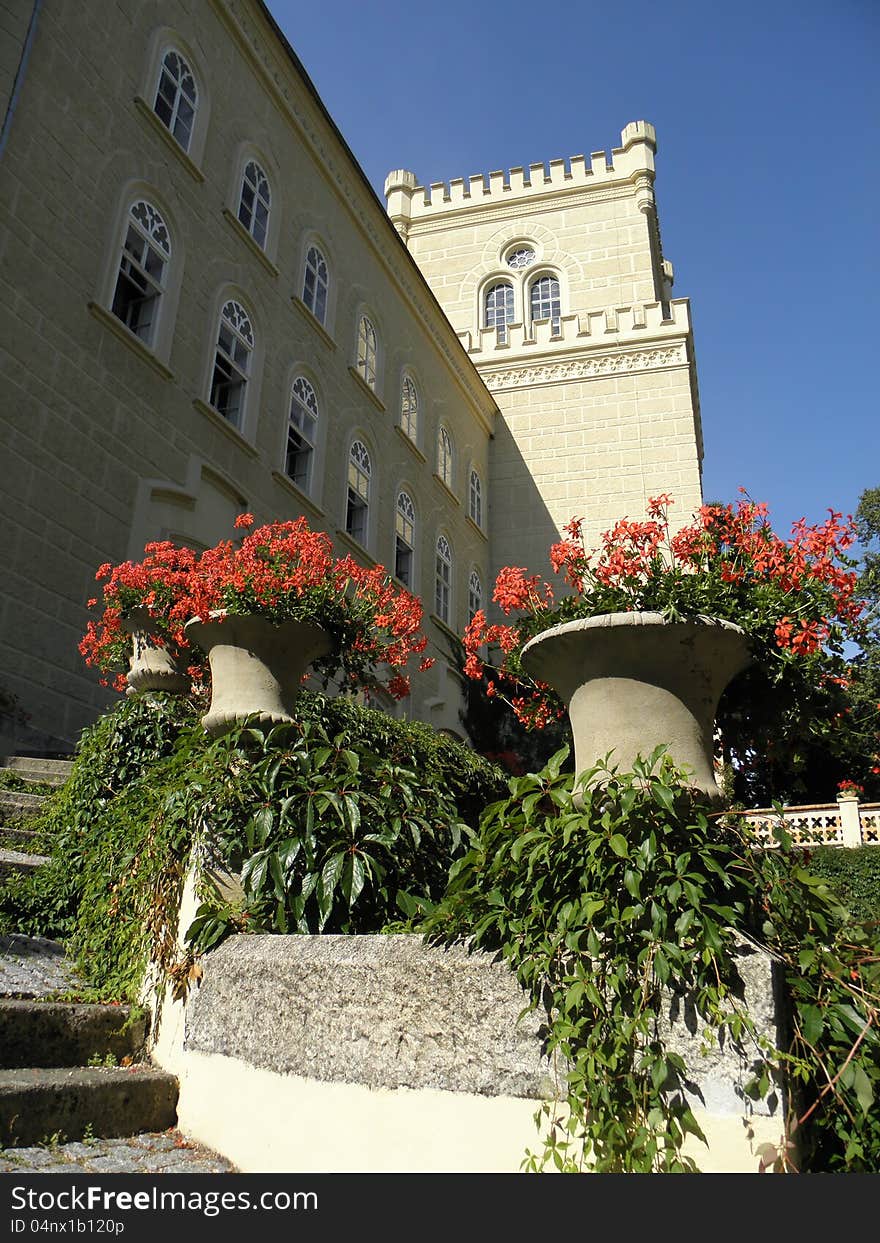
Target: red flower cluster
x,y
283,570
794,595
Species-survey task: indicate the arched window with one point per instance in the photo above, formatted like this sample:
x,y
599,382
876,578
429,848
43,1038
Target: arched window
x,y
499,308
366,351
254,202
232,363
404,539
444,457
409,409
316,284
301,433
357,505
140,282
475,594
443,580
177,98
475,499
544,300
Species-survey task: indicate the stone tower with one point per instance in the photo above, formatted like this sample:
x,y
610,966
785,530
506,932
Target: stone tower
x,y
555,281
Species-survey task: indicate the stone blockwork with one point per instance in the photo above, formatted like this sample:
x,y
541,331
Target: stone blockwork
x,y
394,1056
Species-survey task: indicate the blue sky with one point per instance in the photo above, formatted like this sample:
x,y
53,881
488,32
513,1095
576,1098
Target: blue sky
x,y
767,184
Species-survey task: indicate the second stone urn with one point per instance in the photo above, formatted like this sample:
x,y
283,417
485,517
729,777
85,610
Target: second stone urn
x,y
256,664
633,681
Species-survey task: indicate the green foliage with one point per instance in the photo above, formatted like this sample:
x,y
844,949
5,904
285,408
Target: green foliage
x,y
344,821
832,972
330,832
111,886
610,896
853,875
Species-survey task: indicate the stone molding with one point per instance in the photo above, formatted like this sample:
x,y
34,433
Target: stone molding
x,y
589,368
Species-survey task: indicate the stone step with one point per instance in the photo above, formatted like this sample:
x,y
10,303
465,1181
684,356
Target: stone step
x,y
18,861
20,802
15,836
53,1033
38,1103
33,768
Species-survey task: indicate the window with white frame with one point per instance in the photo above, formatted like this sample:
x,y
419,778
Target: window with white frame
x,y
232,363
302,431
140,281
366,351
316,284
544,300
404,539
177,98
254,202
475,594
357,504
443,580
445,463
409,409
475,499
499,308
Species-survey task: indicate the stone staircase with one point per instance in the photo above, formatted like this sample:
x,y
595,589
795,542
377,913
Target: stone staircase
x,y
67,1069
16,805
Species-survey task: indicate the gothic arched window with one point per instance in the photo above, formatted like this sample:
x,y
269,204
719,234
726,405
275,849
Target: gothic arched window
x,y
232,363
302,431
254,202
316,284
404,539
443,580
357,504
140,282
177,98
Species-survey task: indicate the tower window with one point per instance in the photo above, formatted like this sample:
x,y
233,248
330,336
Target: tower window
x,y
499,308
544,301
232,363
254,202
301,433
177,98
140,282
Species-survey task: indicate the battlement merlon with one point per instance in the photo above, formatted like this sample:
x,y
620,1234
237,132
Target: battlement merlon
x,y
632,161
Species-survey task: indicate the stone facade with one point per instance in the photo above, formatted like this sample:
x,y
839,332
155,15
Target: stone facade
x,y
116,429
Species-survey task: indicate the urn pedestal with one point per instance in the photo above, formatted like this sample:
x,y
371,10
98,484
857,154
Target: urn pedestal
x,y
256,666
633,681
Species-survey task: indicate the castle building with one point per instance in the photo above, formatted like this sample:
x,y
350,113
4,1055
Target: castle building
x,y
207,309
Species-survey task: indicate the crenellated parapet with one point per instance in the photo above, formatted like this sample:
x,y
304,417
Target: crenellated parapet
x,y
632,163
610,326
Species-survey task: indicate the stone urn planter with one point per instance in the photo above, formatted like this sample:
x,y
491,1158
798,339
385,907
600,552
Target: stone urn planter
x,y
256,666
632,681
151,667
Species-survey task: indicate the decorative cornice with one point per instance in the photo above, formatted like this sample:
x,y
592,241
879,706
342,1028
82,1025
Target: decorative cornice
x,y
586,368
419,226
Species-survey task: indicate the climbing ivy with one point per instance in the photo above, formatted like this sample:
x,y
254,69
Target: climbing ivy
x,y
609,896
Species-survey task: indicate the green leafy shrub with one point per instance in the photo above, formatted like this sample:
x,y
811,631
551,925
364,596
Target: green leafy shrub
x,y
602,894
853,874
378,808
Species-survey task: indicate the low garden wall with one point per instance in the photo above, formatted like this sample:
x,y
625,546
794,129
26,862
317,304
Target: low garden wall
x,y
379,1053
